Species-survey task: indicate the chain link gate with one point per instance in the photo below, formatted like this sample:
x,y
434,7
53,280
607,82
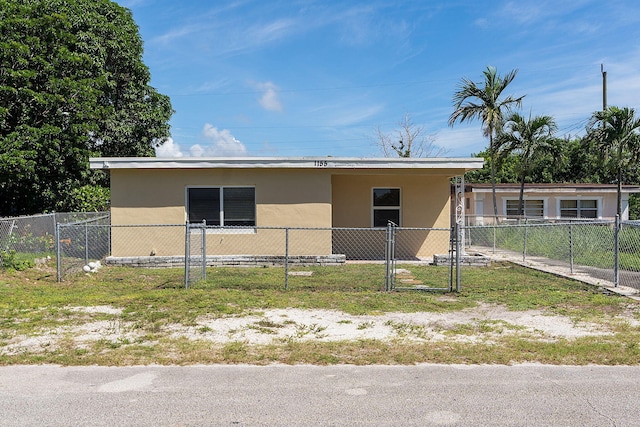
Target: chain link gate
x,y
390,257
280,246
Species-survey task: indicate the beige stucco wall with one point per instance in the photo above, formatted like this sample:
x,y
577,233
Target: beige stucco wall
x,y
425,203
300,198
424,199
294,198
284,198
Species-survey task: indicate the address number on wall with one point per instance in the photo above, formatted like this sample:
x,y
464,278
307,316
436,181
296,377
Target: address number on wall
x,y
320,163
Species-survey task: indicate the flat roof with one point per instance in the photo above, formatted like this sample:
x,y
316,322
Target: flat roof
x,y
467,163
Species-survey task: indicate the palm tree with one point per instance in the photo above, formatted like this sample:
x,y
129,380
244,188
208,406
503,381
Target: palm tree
x,y
527,138
472,101
616,132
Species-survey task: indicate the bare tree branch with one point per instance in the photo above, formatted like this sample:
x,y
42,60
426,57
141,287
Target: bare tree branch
x,y
407,140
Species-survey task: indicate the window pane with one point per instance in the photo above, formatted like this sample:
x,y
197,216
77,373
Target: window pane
x,y
381,217
239,206
532,208
568,204
386,197
588,208
204,203
512,207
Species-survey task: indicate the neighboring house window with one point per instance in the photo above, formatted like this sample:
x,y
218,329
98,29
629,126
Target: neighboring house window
x,y
532,208
579,208
386,206
223,206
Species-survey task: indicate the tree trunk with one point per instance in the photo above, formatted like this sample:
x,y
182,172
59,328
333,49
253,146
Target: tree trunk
x,y
521,198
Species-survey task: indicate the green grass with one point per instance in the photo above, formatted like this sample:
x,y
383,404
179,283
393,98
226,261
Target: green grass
x,y
31,303
592,244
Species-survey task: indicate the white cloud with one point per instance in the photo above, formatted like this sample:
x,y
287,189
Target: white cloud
x,y
223,144
169,149
269,99
196,151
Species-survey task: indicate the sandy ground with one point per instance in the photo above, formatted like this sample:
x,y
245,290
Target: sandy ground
x,y
479,324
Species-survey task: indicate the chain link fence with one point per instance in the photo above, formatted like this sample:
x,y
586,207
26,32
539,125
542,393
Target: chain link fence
x,y
605,250
35,236
298,250
600,249
81,242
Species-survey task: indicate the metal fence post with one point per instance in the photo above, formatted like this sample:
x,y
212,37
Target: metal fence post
x,y
571,246
204,249
524,249
187,255
86,244
458,255
616,252
58,254
494,237
286,258
387,259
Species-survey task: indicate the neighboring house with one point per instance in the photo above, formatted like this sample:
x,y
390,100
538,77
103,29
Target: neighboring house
x,y
549,201
309,193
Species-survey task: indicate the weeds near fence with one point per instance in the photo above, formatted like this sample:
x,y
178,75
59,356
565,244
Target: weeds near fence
x,y
10,260
587,243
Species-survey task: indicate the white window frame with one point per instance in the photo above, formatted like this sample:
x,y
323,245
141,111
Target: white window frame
x,y
222,229
545,205
598,200
374,208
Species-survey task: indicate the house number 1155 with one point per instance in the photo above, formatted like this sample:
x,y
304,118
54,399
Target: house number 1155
x,y
320,163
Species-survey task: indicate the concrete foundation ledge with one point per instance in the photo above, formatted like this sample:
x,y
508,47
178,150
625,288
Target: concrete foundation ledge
x,y
225,261
467,260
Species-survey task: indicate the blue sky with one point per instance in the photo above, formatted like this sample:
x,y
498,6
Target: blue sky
x,y
317,78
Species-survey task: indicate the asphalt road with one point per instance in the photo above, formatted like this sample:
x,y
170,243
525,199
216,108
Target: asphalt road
x,y
276,395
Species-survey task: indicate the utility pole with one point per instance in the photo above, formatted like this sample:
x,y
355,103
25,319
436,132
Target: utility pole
x,y
604,87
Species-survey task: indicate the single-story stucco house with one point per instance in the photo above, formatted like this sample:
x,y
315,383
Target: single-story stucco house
x,y
255,192
548,201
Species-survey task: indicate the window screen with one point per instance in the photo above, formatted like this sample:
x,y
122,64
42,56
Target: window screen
x,y
532,208
579,208
386,206
239,206
204,204
228,206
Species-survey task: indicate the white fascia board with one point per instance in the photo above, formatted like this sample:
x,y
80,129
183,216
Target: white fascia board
x,y
467,164
560,190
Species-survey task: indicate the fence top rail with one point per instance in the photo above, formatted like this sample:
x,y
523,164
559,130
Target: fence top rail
x,y
130,225
199,225
84,222
23,217
543,224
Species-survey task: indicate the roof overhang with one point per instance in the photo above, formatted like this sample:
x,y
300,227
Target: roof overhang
x,y
466,164
559,188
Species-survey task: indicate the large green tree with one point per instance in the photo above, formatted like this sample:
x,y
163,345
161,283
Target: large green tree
x,y
483,101
528,139
72,85
615,132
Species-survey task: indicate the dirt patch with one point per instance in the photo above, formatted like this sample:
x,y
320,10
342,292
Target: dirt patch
x,y
479,324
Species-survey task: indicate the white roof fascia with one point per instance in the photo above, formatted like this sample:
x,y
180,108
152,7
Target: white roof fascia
x,y
553,190
467,164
